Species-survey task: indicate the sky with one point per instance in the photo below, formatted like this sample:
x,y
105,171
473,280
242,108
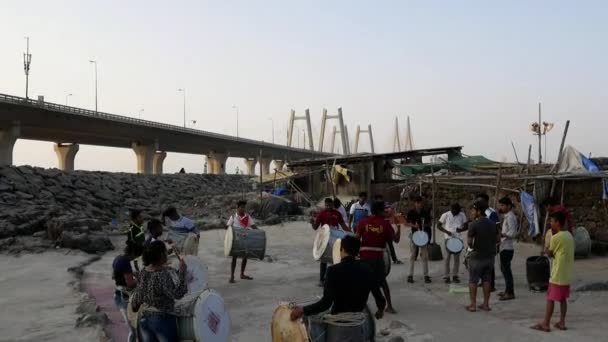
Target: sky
x,y
467,73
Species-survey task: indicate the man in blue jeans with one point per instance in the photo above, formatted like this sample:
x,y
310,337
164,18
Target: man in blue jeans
x,y
510,228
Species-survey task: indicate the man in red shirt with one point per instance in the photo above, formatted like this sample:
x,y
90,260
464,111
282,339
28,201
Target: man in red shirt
x,y
375,233
331,217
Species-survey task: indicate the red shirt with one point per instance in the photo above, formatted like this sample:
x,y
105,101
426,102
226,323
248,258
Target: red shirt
x,y
375,232
330,217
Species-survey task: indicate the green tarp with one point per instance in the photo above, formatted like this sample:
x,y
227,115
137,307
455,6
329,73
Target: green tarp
x,y
470,163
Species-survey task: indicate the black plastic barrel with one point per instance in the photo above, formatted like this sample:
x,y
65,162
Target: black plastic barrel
x,y
538,271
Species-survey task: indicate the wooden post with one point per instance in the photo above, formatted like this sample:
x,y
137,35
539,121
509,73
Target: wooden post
x,y
497,193
514,151
433,203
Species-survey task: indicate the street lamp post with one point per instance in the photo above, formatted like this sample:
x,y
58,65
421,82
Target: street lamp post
x,y
272,126
237,119
27,60
66,98
183,90
95,62
140,111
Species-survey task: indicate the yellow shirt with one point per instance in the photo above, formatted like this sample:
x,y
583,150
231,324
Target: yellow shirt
x,y
562,246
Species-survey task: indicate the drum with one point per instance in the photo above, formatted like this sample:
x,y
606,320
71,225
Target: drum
x,y
318,328
190,246
132,316
245,243
283,329
420,238
387,261
454,245
350,327
323,248
197,273
202,317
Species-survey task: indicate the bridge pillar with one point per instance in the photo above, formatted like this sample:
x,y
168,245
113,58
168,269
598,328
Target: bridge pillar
x,y
66,153
8,137
145,158
157,162
278,164
217,163
250,165
265,165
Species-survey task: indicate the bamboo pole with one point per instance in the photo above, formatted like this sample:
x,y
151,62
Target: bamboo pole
x,y
497,193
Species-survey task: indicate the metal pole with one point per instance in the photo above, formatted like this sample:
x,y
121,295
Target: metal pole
x,y
261,179
66,98
540,154
184,108
95,63
272,126
140,111
27,60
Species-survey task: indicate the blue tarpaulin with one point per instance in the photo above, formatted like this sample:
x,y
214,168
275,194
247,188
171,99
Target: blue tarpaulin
x,y
589,164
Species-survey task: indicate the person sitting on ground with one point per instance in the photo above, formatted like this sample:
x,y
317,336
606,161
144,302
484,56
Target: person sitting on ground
x,y
419,218
331,217
156,293
125,281
136,232
452,223
509,231
376,233
481,239
240,220
561,248
347,286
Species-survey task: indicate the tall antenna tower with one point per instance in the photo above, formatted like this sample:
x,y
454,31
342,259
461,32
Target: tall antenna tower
x,y
27,60
409,141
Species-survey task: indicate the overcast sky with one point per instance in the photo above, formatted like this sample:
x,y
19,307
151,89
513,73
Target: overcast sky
x,y
467,72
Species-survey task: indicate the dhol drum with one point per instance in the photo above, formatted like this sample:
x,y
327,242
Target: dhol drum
x,y
420,238
322,327
202,317
323,248
245,243
190,246
454,244
197,272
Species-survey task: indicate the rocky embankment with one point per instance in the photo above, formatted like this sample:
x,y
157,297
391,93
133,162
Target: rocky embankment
x,y
43,208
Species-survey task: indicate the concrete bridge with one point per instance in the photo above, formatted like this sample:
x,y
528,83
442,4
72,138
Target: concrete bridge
x,y
22,118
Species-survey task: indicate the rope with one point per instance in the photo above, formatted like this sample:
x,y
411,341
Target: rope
x,y
345,319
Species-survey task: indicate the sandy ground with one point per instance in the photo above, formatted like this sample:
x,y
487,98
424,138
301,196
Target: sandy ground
x,y
426,313
38,300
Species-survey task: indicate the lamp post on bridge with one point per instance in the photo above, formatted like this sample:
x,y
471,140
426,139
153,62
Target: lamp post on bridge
x,y
183,90
27,60
237,119
66,98
140,111
95,62
272,125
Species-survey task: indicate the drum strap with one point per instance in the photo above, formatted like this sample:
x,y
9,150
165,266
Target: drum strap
x,y
374,249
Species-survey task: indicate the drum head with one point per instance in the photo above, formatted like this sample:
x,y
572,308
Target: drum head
x,y
283,329
420,238
212,320
336,251
197,273
321,240
454,245
228,241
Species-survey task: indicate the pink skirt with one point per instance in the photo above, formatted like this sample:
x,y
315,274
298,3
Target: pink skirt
x,y
558,293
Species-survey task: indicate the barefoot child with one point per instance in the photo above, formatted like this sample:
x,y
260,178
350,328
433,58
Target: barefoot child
x,y
561,248
240,220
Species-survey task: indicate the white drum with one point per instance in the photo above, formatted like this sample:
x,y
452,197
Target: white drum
x,y
323,248
454,245
245,243
202,318
197,273
420,238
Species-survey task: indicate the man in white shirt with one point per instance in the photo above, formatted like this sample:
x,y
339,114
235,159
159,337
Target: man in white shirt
x,y
510,229
240,220
451,223
358,211
180,229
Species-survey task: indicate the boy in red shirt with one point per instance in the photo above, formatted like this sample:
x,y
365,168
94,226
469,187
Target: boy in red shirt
x,y
375,233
